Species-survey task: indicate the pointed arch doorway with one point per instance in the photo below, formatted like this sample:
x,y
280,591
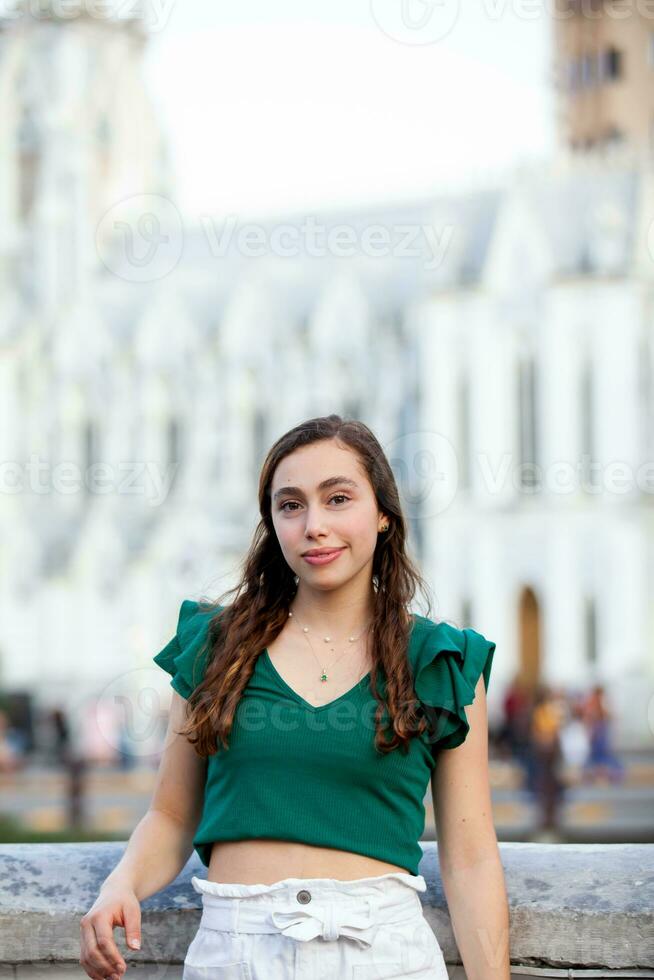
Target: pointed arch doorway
x,y
529,638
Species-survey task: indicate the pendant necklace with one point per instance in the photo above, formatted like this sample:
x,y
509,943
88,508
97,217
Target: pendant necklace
x,y
327,639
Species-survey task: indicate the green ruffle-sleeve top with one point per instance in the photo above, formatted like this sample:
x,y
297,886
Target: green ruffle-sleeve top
x,y
297,772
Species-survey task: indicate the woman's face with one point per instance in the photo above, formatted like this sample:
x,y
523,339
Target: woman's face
x,y
343,514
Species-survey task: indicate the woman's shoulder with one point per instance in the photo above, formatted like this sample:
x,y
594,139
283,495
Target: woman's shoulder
x,y
197,610
431,639
429,634
186,653
447,663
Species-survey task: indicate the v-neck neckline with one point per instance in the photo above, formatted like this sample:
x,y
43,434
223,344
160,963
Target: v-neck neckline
x,y
303,701
321,707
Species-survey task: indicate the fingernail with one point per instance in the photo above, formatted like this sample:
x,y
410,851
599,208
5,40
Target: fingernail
x,y
136,943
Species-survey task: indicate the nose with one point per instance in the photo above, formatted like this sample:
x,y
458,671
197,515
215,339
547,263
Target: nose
x,y
314,525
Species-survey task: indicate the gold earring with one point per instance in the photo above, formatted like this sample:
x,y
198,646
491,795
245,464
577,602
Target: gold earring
x,y
384,527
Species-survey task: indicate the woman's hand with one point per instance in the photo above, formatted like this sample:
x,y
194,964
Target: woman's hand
x,y
116,905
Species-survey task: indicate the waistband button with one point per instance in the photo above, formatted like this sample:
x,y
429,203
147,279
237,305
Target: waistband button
x,y
304,896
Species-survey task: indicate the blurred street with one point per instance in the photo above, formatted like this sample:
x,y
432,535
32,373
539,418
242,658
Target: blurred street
x,y
115,799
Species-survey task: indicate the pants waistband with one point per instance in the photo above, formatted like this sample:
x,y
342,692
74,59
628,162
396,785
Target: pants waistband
x,y
303,908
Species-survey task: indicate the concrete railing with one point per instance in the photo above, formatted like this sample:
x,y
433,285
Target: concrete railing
x,y
576,910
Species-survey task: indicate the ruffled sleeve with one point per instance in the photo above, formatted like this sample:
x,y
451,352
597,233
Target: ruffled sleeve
x,y
185,656
447,667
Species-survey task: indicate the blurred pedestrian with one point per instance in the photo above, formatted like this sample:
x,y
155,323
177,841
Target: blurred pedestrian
x,y
545,728
601,761
9,757
575,742
517,704
69,753
61,735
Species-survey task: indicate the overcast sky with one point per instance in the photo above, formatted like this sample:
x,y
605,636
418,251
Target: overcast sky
x,y
277,106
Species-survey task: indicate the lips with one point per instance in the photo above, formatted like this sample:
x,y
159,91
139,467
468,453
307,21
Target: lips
x,y
324,557
316,552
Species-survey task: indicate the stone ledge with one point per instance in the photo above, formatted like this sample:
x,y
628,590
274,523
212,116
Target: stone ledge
x,y
574,907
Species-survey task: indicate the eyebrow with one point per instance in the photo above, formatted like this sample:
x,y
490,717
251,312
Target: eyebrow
x,y
329,482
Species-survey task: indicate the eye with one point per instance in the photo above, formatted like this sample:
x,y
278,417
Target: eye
x,y
343,496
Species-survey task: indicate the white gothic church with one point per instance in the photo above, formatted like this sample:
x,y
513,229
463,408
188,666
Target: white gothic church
x,y
500,343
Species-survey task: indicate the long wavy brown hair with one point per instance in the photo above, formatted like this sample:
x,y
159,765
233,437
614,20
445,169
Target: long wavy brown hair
x,y
240,631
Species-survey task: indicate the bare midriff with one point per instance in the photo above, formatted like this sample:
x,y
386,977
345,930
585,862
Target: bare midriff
x,y
251,862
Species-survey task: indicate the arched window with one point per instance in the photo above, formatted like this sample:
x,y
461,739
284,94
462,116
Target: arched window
x,y
27,139
174,448
590,631
611,62
258,439
466,612
464,436
91,452
588,70
573,73
587,424
527,422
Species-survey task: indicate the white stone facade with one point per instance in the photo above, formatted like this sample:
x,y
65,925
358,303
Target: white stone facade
x,y
510,326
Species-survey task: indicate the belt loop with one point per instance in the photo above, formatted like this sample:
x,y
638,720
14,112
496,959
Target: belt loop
x,y
374,903
330,931
236,904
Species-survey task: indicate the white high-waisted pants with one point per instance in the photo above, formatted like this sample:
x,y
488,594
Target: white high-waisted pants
x,y
314,929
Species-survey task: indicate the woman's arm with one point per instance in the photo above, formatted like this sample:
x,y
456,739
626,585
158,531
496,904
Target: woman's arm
x,y
162,841
156,852
468,855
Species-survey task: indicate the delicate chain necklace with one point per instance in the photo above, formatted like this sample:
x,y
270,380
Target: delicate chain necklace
x,y
327,639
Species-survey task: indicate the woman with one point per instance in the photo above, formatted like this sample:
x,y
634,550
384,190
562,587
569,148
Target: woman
x,y
308,718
